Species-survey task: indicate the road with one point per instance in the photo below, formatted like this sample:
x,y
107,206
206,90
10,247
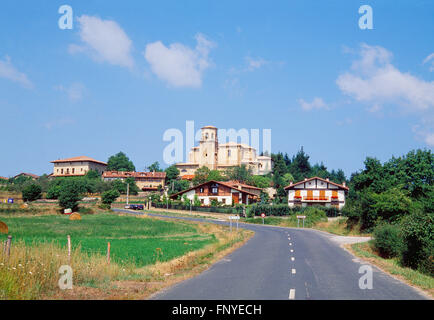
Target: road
x,y
287,263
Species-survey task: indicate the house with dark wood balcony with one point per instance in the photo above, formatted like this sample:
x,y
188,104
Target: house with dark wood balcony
x,y
227,193
317,191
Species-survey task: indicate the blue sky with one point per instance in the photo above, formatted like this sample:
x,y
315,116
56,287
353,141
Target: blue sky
x,y
128,71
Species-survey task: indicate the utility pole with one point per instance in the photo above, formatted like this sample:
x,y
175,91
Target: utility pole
x,y
128,191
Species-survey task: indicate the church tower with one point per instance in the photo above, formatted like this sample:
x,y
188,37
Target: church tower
x,y
208,148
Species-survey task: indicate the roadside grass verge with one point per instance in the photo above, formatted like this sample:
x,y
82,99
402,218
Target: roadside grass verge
x,y
412,277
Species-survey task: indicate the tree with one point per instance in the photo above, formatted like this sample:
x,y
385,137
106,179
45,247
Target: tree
x,y
261,182
240,173
92,174
155,167
215,175
120,162
196,201
110,196
300,166
178,186
32,192
172,173
70,195
201,175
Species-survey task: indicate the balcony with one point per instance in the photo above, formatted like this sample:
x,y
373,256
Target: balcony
x,y
316,198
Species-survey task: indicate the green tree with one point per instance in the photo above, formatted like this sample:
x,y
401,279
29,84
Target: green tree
x,y
93,174
32,192
201,175
155,167
216,176
196,201
300,166
240,173
120,162
261,181
172,173
70,195
110,196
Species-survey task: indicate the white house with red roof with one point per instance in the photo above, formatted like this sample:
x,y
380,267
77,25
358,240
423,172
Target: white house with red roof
x,y
317,191
77,166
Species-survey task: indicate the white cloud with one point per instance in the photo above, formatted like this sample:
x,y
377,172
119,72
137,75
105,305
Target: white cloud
x,y
317,103
8,71
74,92
255,63
430,58
373,79
104,40
179,65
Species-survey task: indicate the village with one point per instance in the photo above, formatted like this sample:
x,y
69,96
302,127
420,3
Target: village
x,y
216,175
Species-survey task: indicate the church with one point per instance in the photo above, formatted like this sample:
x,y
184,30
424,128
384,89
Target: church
x,y
223,156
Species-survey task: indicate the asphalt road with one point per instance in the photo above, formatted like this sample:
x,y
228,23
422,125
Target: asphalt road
x,y
287,263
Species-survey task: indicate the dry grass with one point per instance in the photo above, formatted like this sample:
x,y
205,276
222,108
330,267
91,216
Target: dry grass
x,y
339,227
33,272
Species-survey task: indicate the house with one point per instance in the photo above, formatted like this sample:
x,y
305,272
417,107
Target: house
x,y
222,192
145,181
245,187
77,166
317,191
223,156
28,175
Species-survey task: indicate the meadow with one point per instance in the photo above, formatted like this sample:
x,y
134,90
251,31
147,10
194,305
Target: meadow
x,y
133,240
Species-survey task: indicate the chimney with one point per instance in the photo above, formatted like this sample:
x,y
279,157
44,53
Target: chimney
x,y
305,179
343,183
328,179
153,173
290,183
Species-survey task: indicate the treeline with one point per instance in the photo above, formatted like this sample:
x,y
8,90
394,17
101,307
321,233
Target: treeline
x,y
395,201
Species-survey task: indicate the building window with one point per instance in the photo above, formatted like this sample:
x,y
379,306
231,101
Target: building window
x,y
224,200
73,170
61,171
215,190
201,190
229,153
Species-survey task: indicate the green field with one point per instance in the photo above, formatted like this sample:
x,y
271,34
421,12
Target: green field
x,y
132,239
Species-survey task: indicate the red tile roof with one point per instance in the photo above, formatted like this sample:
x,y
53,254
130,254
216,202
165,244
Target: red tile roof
x,y
78,159
128,174
3,178
242,185
34,176
187,177
213,181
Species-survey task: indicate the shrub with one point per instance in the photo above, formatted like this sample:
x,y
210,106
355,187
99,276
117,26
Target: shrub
x,y
54,192
110,196
314,214
69,195
32,192
388,240
418,235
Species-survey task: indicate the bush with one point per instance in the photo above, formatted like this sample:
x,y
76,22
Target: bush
x,y
110,196
418,235
32,192
70,195
54,192
388,240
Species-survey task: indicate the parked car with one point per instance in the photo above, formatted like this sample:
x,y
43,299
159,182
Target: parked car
x,y
134,206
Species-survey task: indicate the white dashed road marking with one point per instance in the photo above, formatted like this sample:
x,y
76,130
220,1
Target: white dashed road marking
x,y
292,294
292,258
293,271
292,250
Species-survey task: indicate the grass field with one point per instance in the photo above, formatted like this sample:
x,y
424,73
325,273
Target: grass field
x,y
133,240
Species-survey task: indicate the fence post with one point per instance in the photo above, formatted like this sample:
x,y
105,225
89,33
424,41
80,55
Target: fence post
x,y
108,252
8,246
4,246
69,249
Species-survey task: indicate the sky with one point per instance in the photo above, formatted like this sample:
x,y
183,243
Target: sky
x,y
128,71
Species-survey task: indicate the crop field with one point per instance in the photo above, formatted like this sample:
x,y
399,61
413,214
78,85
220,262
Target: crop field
x,y
141,241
